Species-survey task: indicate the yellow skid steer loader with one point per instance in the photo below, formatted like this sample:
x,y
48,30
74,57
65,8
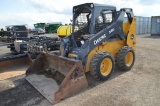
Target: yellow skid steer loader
x,y
105,38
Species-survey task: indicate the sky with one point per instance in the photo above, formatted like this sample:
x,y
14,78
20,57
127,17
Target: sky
x,y
18,12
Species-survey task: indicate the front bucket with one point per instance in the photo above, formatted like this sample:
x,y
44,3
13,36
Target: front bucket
x,y
14,65
56,77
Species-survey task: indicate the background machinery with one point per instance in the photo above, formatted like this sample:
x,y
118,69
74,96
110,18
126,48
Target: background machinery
x,y
39,25
52,27
64,30
16,63
103,40
38,44
17,37
39,28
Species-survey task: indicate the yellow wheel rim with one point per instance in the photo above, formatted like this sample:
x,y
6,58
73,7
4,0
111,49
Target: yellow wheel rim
x,y
129,59
106,66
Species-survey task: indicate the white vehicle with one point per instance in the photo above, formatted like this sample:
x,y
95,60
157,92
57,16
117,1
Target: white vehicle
x,y
39,31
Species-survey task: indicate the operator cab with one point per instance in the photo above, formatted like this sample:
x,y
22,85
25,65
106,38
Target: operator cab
x,y
89,19
81,25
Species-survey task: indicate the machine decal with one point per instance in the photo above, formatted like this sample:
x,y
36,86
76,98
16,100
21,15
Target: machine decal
x,y
99,39
112,30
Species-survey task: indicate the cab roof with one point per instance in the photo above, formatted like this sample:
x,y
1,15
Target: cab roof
x,y
95,5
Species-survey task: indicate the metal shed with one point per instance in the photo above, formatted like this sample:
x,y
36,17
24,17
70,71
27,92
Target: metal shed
x,y
155,25
143,25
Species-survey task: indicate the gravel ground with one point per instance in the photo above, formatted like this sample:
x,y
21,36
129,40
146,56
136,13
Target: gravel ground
x,y
18,92
139,87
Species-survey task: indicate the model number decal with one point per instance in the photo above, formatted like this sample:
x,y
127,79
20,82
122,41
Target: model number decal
x,y
112,30
99,39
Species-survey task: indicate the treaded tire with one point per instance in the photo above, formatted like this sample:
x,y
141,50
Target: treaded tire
x,y
96,62
121,58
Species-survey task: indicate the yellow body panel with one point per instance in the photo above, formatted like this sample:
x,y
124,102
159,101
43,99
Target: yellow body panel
x,y
114,46
64,30
111,47
129,30
132,32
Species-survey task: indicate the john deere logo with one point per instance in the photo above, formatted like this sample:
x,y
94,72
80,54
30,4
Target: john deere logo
x,y
99,39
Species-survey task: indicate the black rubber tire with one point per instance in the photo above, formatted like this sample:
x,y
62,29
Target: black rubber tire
x,y
120,58
95,65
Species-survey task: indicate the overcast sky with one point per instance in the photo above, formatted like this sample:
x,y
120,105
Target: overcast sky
x,y
16,12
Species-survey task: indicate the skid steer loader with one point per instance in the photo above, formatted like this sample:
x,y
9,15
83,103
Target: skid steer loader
x,y
105,39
